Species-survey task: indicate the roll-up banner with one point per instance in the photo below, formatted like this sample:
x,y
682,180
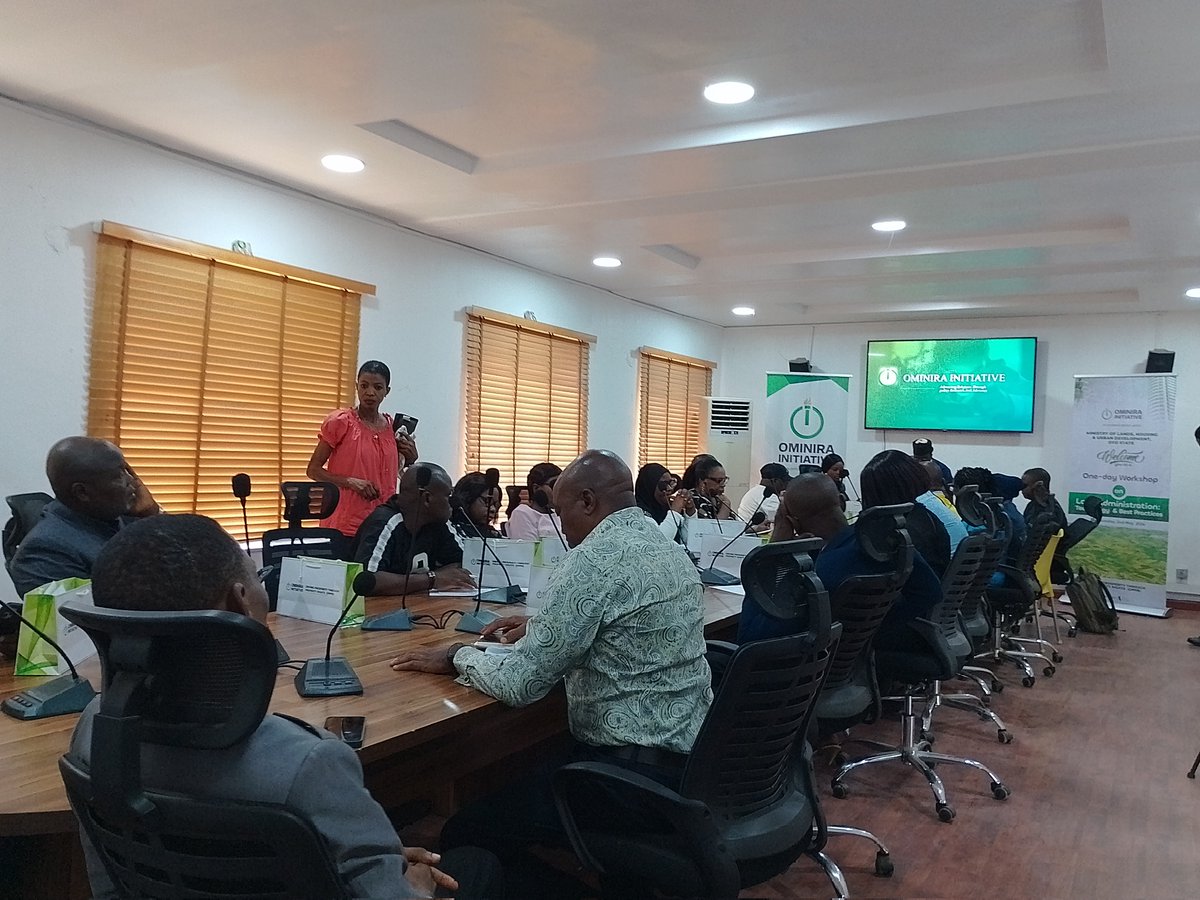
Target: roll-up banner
x,y
805,417
1121,452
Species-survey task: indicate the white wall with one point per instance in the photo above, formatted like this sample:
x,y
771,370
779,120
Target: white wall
x,y
59,178
1067,346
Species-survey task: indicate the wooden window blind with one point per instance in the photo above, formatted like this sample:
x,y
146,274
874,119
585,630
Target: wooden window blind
x,y
670,388
206,363
527,394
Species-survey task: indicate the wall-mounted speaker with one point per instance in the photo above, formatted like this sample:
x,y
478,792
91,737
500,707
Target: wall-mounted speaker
x,y
799,364
1160,360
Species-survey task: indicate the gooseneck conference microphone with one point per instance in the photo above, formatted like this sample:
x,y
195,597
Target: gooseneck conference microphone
x,y
58,697
334,677
241,490
474,623
401,619
715,576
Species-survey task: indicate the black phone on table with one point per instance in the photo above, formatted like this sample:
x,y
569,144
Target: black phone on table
x,y
349,729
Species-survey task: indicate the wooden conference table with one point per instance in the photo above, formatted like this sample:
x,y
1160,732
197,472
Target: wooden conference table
x,y
427,737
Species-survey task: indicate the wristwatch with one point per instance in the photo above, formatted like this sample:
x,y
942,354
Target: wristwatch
x,y
454,648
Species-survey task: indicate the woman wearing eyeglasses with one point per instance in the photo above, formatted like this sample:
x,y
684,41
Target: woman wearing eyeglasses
x,y
656,494
709,492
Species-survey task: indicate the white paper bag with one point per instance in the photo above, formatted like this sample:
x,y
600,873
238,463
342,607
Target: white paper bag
x,y
317,590
696,529
42,605
516,556
546,556
729,558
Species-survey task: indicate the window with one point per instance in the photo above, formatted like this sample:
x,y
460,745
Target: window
x,y
527,394
206,363
669,390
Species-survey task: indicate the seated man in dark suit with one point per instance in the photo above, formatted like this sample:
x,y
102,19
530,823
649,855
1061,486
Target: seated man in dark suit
x,y
812,507
187,562
408,541
96,492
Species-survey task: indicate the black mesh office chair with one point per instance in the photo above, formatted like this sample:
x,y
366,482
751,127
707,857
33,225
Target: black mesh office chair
x,y
1016,599
746,808
26,510
303,501
200,680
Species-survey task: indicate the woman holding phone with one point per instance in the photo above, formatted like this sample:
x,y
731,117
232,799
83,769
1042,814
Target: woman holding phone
x,y
357,451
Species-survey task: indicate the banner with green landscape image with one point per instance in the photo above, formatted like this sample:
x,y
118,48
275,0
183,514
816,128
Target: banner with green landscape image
x,y
1121,452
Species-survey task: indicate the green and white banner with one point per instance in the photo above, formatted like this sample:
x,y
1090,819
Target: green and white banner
x,y
1121,452
805,416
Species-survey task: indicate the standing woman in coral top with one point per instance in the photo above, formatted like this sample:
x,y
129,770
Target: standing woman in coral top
x,y
357,451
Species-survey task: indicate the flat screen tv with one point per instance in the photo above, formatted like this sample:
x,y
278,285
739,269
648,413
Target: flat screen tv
x,y
960,384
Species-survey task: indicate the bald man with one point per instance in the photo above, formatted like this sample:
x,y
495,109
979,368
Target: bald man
x,y
408,542
811,506
623,624
95,493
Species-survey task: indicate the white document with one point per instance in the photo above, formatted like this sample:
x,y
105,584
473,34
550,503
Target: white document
x,y
317,590
546,557
730,558
516,557
695,530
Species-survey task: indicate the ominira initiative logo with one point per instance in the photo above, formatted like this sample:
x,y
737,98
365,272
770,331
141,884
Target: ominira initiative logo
x,y
889,375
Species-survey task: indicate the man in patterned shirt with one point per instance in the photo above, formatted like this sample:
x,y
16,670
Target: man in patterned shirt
x,y
624,625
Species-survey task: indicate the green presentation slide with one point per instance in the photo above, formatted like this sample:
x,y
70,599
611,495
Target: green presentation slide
x,y
975,384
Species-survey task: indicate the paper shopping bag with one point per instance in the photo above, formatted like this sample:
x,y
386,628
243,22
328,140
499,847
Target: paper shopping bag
x,y
42,604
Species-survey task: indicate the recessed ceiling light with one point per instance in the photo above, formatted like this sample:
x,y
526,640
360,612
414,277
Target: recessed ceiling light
x,y
338,162
728,92
606,262
1193,293
889,225
743,310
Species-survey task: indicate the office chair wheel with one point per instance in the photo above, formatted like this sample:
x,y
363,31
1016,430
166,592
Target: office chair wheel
x,y
928,737
1056,657
1072,631
839,790
945,812
1014,628
1000,791
1027,681
1003,736
1048,671
884,867
997,686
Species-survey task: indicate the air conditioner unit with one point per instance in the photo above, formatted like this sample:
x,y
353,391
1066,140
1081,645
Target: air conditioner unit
x,y
725,433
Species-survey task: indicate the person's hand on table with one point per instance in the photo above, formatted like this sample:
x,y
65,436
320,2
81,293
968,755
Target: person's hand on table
x,y
363,488
421,867
434,660
407,447
454,578
507,630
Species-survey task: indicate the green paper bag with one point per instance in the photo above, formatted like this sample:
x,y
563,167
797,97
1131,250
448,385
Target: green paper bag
x,y
42,604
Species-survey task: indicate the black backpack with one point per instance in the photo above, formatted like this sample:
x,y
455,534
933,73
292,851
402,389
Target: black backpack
x,y
1092,603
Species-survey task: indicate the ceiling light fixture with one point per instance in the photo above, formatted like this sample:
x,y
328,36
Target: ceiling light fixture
x,y
606,262
339,162
1192,293
728,92
743,310
889,225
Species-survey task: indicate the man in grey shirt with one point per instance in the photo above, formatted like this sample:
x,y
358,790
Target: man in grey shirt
x,y
284,761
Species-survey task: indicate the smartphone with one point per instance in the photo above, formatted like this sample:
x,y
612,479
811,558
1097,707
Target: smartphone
x,y
350,729
400,420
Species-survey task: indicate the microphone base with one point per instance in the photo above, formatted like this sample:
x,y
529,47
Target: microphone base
x,y
327,678
62,696
510,594
474,623
281,655
717,577
400,620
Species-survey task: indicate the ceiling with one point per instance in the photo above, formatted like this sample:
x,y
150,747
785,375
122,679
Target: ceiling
x,y
1045,153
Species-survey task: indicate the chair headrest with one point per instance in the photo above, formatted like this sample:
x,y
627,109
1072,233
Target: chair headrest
x,y
197,679
883,534
973,509
779,577
308,500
